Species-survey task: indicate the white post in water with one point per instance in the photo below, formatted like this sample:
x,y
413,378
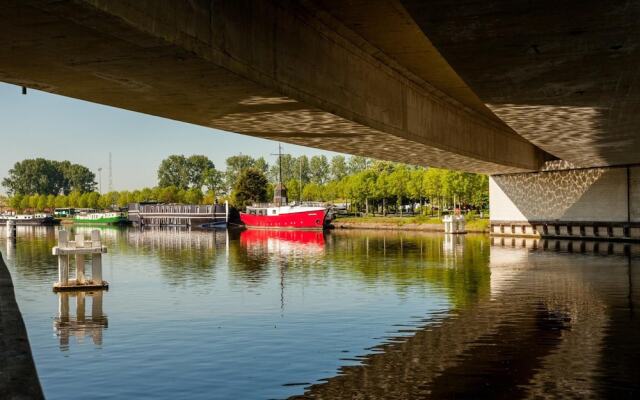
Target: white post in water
x,y
96,258
80,260
12,230
454,224
63,259
226,211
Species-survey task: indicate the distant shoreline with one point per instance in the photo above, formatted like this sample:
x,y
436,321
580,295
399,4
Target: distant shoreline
x,y
477,226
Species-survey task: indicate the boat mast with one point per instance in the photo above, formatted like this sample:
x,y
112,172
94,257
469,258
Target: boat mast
x,y
280,163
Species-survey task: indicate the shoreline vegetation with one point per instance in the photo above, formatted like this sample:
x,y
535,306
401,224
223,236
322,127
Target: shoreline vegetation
x,y
355,185
412,223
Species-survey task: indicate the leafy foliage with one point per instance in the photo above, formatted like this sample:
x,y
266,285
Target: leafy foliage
x,y
41,176
250,187
183,172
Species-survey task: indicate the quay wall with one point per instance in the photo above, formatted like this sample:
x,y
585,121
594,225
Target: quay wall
x,y
585,202
18,376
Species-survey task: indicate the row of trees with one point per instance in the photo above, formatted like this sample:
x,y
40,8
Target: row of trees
x,y
113,200
383,187
367,185
198,171
40,176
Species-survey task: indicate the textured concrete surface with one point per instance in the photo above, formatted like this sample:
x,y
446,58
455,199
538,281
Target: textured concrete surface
x,y
289,71
594,194
562,75
18,376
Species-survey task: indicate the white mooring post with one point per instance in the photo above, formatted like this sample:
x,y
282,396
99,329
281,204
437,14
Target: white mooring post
x,y
96,259
79,248
80,260
12,230
454,224
63,260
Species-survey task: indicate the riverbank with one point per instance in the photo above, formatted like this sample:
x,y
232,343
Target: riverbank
x,y
416,223
18,376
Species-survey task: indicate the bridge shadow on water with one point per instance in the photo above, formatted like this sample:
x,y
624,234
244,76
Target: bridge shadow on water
x,y
559,321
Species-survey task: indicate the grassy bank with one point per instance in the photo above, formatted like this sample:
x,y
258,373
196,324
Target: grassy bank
x,y
418,222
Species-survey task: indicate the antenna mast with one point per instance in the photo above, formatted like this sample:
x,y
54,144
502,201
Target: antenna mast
x,y
110,174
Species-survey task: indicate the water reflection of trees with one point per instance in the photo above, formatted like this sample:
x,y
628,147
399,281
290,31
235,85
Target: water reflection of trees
x,y
411,259
31,254
183,255
555,324
408,261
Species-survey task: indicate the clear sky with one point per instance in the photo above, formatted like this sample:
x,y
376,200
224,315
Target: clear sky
x,y
61,128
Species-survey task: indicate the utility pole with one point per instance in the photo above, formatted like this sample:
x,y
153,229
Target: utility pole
x,y
100,179
110,174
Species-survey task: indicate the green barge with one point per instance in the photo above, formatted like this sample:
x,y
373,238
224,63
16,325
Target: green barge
x,y
109,218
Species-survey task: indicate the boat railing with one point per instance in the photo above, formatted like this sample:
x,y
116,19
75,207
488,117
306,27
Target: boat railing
x,y
291,204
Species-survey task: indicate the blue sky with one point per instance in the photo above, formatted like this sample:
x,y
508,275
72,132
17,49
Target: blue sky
x,y
61,128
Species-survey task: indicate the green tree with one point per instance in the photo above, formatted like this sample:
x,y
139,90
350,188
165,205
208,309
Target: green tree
x,y
290,168
41,202
34,176
168,194
200,169
174,171
357,164
24,203
62,201
338,168
313,192
33,201
51,202
75,177
15,202
261,164
235,166
193,196
250,187
74,199
319,169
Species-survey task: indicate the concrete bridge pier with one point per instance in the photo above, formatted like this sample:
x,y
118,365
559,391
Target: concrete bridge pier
x,y
580,203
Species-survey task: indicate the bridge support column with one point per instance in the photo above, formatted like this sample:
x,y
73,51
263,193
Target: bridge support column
x,y
588,203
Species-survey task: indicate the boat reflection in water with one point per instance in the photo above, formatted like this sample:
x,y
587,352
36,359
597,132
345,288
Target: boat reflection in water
x,y
283,241
79,324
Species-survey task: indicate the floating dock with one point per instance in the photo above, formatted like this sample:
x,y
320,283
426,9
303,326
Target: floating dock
x,y
207,216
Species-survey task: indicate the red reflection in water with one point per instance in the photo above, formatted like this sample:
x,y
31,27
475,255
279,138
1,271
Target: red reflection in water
x,y
258,236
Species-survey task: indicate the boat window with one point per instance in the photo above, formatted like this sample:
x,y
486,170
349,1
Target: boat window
x,y
273,212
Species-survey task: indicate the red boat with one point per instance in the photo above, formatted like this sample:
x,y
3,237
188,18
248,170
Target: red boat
x,y
281,215
285,217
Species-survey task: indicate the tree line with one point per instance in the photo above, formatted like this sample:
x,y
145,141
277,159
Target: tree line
x,y
40,176
367,185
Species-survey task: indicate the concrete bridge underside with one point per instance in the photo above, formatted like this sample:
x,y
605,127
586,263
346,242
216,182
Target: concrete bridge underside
x,y
356,77
507,88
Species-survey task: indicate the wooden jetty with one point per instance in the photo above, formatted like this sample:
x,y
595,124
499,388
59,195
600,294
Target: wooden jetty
x,y
79,248
209,216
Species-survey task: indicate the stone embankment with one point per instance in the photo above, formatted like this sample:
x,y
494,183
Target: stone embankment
x,y
18,376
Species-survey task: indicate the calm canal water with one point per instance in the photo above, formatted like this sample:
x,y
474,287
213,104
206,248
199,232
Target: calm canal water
x,y
343,315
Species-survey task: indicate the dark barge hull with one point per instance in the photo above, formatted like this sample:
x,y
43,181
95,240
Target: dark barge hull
x,y
33,222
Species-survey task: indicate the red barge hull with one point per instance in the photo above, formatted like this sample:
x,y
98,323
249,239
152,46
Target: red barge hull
x,y
295,220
